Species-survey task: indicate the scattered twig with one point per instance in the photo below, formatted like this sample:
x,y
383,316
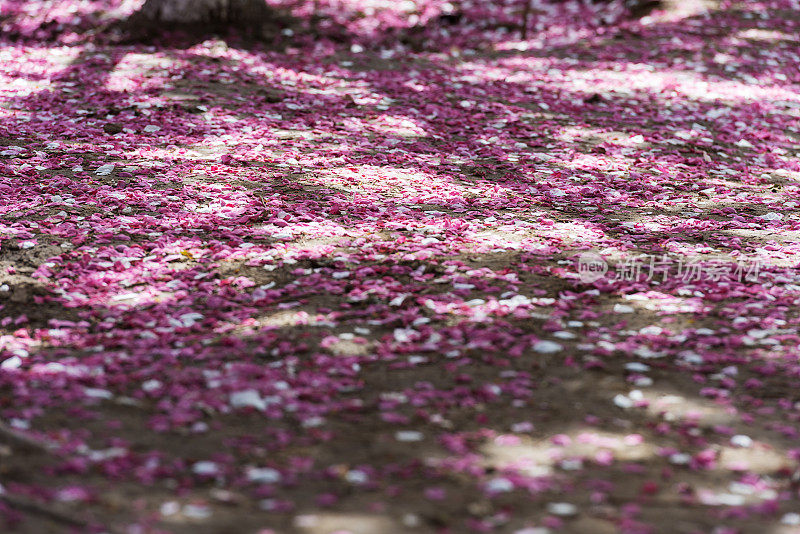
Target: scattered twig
x,y
33,508
26,442
526,14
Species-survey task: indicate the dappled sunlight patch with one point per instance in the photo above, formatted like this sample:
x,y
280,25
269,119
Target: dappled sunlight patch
x,y
499,240
479,310
363,523
286,318
596,136
17,347
397,125
568,451
688,84
130,298
521,454
594,162
37,73
735,496
23,87
412,186
346,344
765,35
575,232
755,457
133,68
172,512
665,303
210,149
673,407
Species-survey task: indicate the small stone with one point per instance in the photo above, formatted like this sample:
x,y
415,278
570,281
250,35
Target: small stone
x,y
623,402
112,128
563,509
248,398
151,385
12,363
499,485
791,518
572,465
96,393
170,508
594,98
205,468
679,458
408,435
196,511
105,170
743,441
547,347
356,477
263,475
410,520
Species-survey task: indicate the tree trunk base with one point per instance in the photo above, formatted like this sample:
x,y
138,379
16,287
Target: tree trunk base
x,y
205,11
248,18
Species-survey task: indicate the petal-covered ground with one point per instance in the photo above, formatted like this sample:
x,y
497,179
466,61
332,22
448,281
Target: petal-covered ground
x,y
403,273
